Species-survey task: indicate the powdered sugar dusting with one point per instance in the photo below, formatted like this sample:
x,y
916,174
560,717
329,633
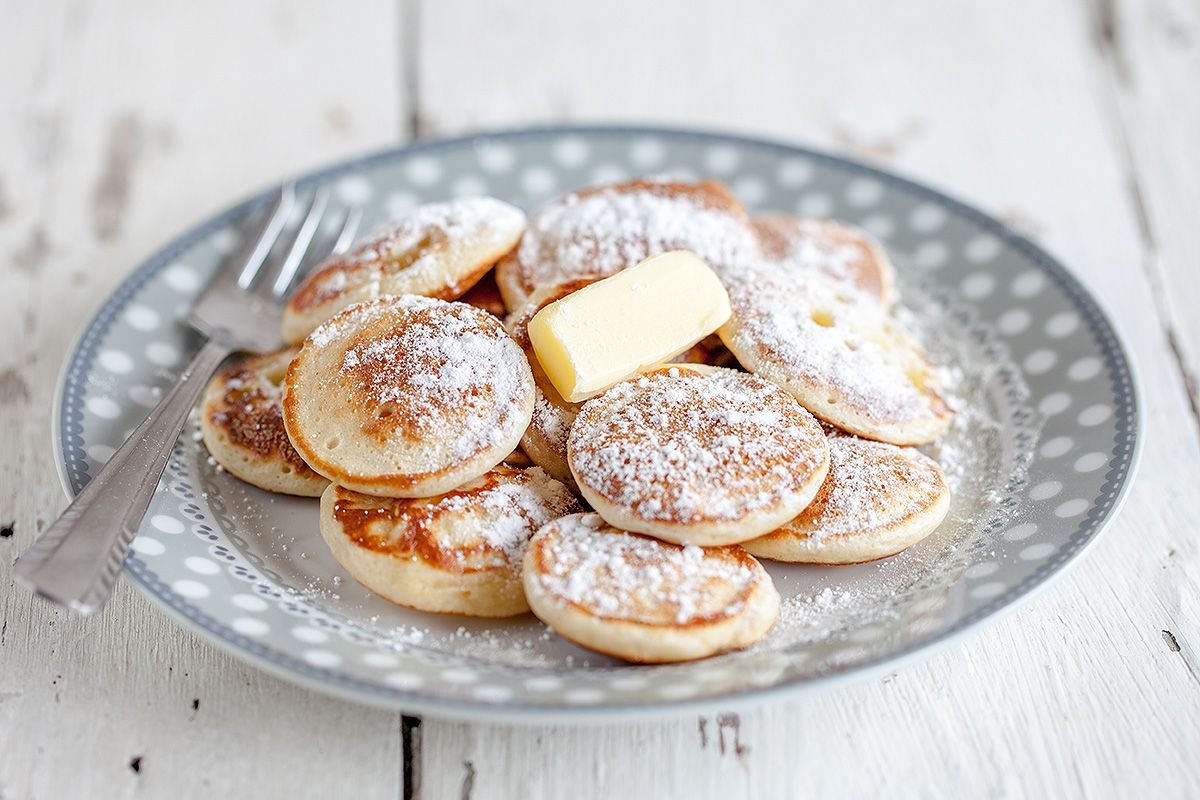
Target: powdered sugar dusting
x,y
870,485
514,509
552,421
835,343
486,523
807,612
605,230
841,253
686,448
424,245
622,575
443,372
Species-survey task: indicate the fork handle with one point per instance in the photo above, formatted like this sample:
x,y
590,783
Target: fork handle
x,y
76,561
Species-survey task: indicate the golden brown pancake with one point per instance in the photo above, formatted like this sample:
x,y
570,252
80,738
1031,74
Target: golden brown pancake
x,y
642,599
837,351
439,250
407,396
877,500
708,458
241,420
604,229
459,552
839,252
485,294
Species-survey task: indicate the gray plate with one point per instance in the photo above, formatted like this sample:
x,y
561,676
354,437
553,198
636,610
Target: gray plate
x,y
1040,455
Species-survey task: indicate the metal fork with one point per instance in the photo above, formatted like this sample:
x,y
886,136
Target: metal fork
x,y
76,561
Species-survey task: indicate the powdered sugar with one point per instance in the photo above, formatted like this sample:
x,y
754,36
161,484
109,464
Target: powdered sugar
x,y
552,421
428,370
512,508
834,345
424,244
344,324
867,607
453,351
831,249
622,575
605,230
870,485
809,610
688,448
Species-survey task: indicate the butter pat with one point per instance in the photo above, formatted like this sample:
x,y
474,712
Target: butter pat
x,y
619,326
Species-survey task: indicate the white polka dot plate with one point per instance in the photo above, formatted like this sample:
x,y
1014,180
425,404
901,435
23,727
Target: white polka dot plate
x,y
1039,457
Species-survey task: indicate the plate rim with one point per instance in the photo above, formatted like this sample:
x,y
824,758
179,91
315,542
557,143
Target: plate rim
x,y
331,682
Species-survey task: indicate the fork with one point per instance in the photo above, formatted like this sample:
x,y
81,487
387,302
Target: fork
x,y
76,561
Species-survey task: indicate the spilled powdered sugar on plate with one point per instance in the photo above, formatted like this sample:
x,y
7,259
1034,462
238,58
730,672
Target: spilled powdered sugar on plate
x,y
982,467
247,570
984,456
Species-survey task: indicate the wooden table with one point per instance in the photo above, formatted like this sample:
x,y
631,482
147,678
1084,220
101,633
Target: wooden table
x,y
1078,122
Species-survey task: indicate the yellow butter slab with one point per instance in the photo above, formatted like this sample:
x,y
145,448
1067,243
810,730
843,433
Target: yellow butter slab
x,y
637,318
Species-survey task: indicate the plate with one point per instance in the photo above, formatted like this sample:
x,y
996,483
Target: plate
x,y
1039,457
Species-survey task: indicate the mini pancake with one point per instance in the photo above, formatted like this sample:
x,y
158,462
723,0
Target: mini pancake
x,y
838,251
518,458
836,350
604,229
645,600
877,500
486,295
708,458
241,420
545,441
710,351
458,553
439,250
407,396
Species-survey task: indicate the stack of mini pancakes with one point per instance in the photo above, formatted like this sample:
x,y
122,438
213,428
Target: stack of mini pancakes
x,y
454,478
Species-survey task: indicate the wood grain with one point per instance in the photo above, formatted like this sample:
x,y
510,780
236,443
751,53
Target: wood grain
x,y
121,124
1075,121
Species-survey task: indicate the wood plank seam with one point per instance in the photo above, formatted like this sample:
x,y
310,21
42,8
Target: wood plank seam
x,y
410,37
1108,40
410,763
